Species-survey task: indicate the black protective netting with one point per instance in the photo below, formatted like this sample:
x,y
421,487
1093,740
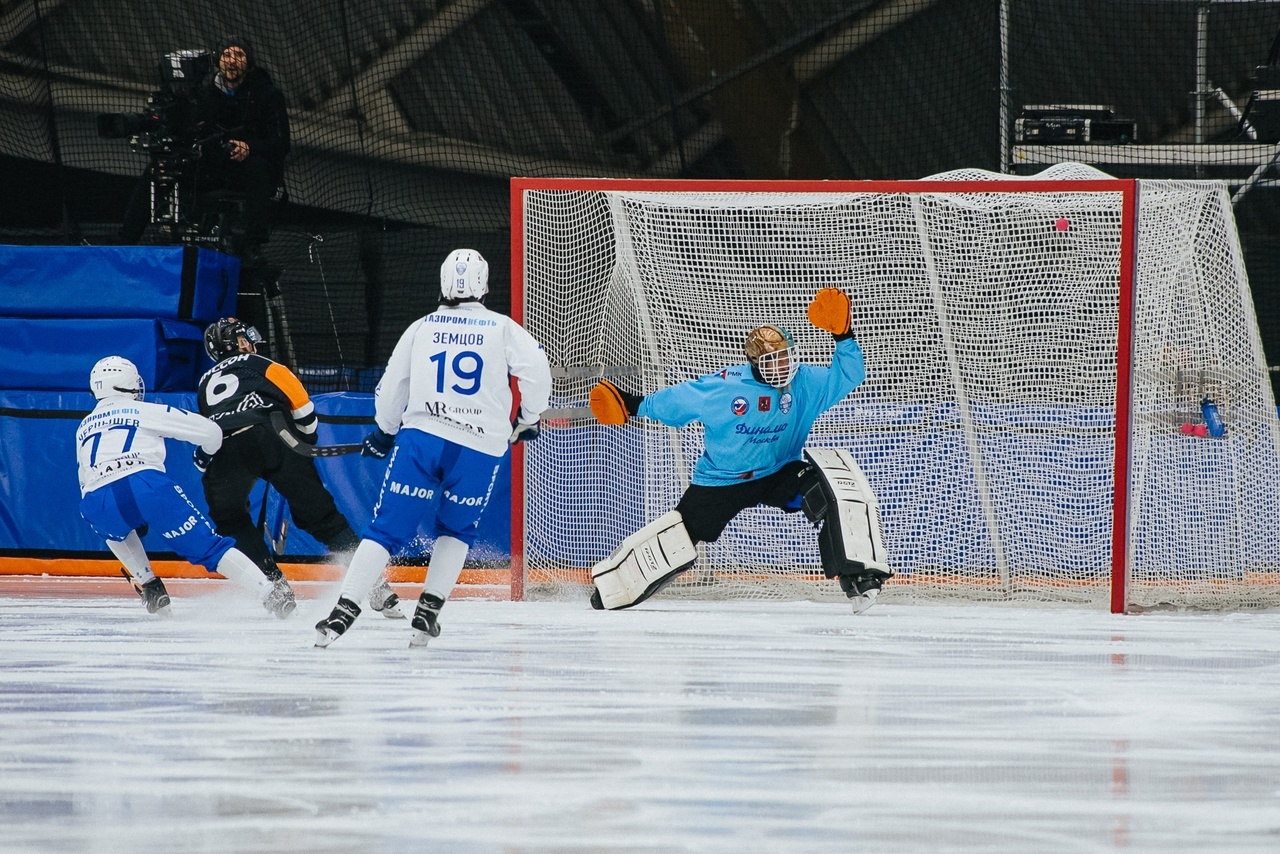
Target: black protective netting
x,y
409,117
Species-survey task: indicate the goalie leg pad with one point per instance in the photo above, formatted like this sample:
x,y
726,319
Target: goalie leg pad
x,y
647,561
837,495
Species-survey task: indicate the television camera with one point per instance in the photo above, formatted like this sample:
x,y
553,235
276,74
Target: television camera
x,y
167,131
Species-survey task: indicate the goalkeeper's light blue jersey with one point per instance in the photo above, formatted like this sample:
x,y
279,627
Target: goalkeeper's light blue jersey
x,y
752,429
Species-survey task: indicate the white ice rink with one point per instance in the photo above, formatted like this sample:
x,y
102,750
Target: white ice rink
x,y
532,727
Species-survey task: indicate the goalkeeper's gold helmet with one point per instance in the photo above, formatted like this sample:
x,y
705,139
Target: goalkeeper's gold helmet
x,y
772,352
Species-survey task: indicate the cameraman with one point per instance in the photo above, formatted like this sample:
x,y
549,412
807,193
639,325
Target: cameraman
x,y
246,110
240,116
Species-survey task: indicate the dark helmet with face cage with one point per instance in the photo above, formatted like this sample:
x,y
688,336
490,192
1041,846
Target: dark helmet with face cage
x,y
222,338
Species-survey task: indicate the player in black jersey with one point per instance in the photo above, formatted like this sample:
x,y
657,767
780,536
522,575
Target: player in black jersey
x,y
239,393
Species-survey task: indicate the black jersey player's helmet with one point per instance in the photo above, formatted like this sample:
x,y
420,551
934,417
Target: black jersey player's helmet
x,y
229,337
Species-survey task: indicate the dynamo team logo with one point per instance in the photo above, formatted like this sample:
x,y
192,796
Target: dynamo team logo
x,y
739,406
460,268
785,403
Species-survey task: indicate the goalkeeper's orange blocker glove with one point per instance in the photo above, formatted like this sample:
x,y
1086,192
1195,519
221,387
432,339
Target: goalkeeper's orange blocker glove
x,y
611,405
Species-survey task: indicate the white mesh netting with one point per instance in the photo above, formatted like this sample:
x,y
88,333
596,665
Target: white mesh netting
x,y
987,422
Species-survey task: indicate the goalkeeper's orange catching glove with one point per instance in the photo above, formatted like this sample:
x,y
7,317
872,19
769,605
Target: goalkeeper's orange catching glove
x,y
829,310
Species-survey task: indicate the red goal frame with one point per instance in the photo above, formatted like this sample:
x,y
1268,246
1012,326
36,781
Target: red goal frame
x,y
1127,188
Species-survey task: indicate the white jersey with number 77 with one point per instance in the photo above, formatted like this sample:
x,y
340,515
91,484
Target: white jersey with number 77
x,y
122,435
448,376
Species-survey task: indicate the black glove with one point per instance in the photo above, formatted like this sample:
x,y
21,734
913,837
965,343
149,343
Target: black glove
x,y
201,459
377,444
524,432
630,401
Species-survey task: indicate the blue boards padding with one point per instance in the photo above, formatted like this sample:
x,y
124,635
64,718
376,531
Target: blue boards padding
x,y
40,495
167,282
56,355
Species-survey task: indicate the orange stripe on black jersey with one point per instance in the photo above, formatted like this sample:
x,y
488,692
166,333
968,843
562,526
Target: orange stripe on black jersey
x,y
289,384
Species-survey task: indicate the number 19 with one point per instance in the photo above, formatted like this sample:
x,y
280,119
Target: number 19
x,y
467,366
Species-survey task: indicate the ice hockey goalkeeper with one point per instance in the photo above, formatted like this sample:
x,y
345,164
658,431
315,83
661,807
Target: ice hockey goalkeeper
x,y
756,419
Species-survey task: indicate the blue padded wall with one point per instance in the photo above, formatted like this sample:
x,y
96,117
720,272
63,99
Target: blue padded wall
x,y
163,282
40,496
47,354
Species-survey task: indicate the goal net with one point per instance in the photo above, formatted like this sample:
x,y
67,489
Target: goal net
x,y
1038,352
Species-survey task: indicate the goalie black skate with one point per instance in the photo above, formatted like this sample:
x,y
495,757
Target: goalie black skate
x,y
862,590
426,620
336,624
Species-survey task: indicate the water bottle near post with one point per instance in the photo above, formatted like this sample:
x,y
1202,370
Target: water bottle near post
x,y
1212,418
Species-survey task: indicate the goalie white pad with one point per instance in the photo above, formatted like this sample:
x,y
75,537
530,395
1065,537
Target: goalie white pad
x,y
852,540
645,562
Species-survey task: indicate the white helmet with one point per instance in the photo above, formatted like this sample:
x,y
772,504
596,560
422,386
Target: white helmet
x,y
464,275
115,376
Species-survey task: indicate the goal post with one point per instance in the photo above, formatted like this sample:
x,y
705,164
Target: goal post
x,y
1038,351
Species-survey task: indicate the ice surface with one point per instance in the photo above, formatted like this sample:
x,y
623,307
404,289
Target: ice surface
x,y
671,727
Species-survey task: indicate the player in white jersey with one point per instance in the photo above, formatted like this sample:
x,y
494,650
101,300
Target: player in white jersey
x,y
124,487
442,413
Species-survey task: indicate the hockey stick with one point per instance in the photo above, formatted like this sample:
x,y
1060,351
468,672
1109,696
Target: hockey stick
x,y
269,526
281,426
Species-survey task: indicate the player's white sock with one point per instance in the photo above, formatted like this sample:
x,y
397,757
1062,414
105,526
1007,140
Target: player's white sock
x,y
130,552
447,559
236,566
367,564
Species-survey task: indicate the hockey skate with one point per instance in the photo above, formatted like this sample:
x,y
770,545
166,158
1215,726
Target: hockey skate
x,y
862,591
280,601
336,624
385,601
153,594
426,620
863,601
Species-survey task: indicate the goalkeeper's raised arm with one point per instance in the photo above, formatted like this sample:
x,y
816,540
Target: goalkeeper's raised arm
x,y
756,418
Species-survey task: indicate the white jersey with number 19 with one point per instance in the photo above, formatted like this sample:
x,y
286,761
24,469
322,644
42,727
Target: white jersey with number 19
x,y
448,376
